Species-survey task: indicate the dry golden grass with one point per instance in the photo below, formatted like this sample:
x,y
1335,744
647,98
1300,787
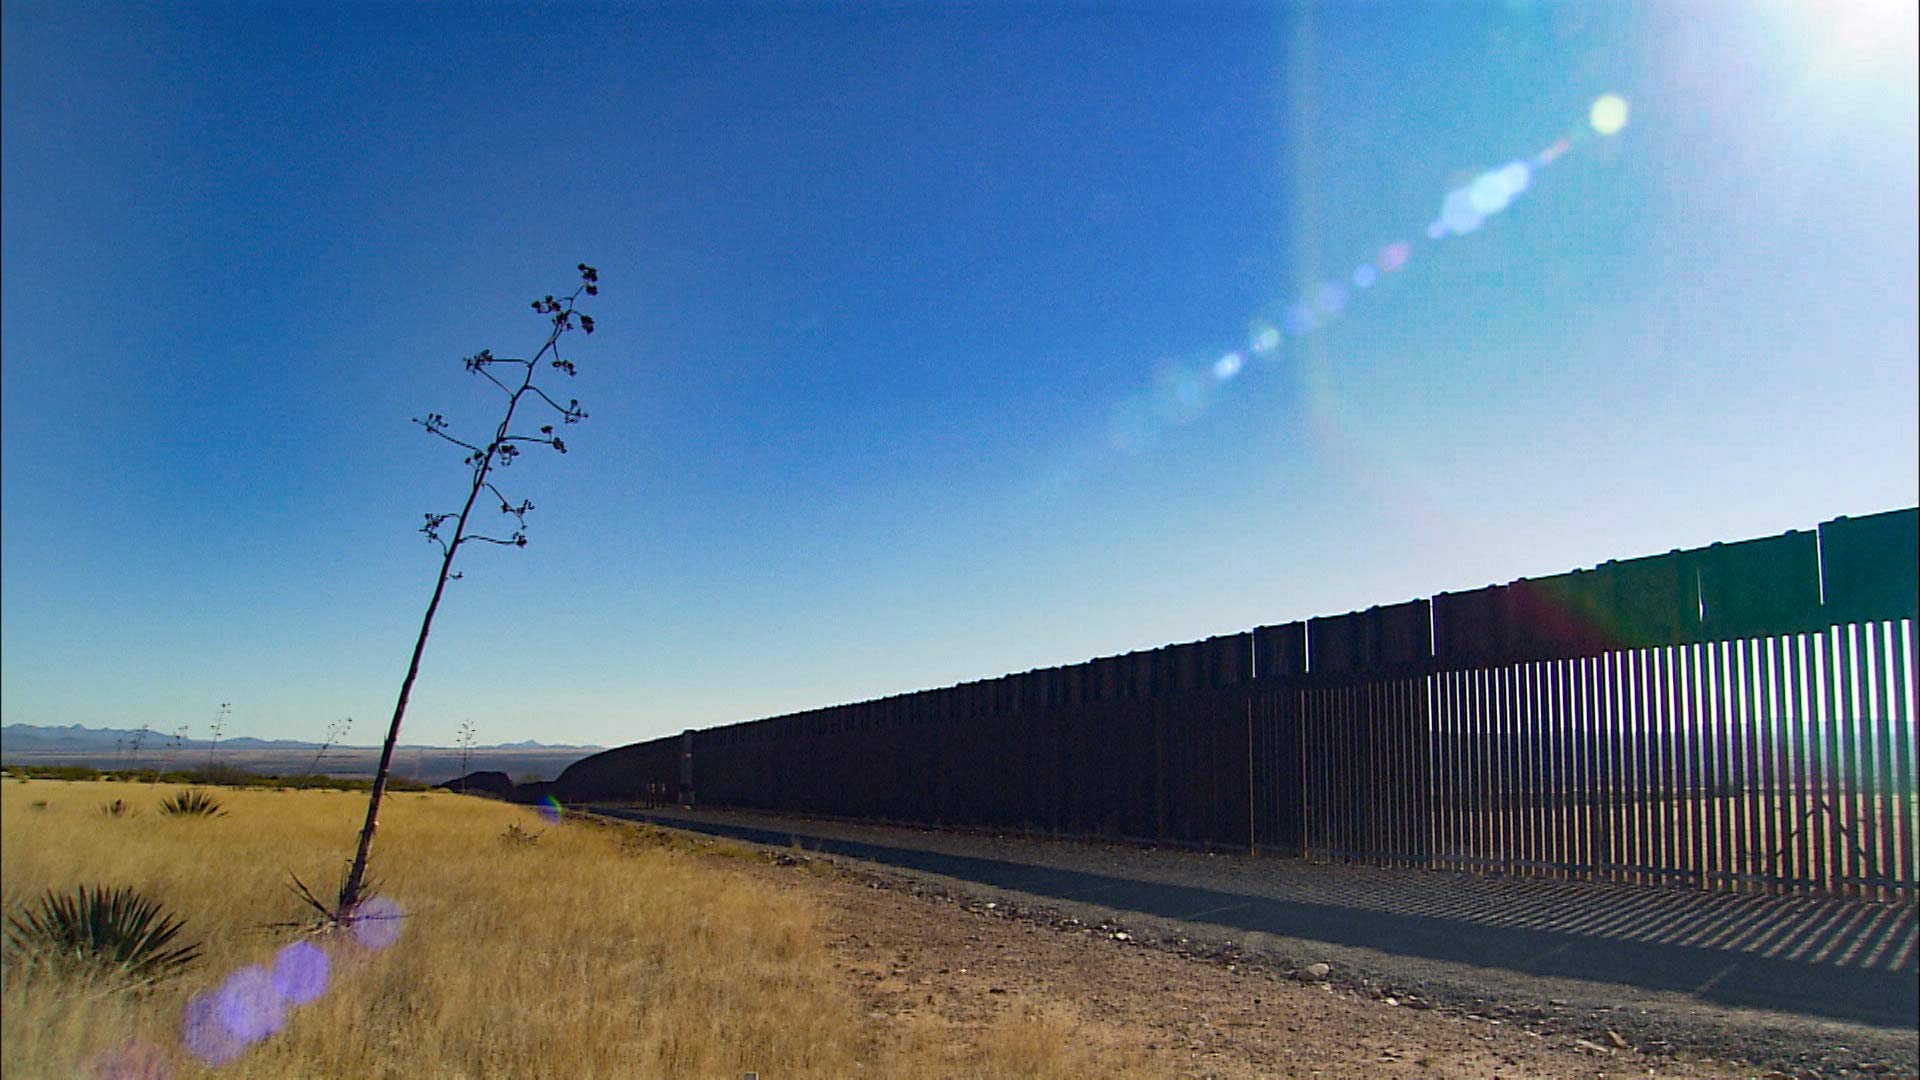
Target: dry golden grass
x,y
584,954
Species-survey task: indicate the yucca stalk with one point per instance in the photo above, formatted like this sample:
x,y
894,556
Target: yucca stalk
x,y
483,459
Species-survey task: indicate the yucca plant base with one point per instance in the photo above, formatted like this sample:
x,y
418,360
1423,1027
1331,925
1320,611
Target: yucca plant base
x,y
192,803
99,931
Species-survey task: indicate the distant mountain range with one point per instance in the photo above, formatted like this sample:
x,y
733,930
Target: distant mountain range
x,y
77,739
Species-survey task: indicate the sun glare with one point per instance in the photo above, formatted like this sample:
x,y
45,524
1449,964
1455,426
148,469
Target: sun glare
x,y
1870,28
1854,59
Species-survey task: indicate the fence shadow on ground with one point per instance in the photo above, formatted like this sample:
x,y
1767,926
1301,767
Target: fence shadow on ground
x,y
1837,959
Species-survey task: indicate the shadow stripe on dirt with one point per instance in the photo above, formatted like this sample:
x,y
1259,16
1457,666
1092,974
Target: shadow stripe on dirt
x,y
1885,998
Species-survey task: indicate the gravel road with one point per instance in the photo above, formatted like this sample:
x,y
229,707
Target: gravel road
x,y
1806,987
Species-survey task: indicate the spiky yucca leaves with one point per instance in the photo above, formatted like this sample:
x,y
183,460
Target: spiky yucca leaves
x,y
192,803
118,808
115,933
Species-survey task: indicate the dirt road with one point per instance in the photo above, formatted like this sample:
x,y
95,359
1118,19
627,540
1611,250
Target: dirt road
x,y
1211,956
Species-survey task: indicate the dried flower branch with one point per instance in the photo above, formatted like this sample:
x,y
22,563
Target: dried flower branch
x,y
449,530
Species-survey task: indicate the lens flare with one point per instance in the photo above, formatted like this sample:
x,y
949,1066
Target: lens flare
x,y
1180,396
1330,298
249,1006
202,1033
376,923
1264,339
1609,114
1458,215
551,809
1180,393
217,1026
1516,176
1488,194
300,972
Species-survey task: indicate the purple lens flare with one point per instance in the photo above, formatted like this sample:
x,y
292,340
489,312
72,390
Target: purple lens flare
x,y
249,1006
300,972
376,923
202,1033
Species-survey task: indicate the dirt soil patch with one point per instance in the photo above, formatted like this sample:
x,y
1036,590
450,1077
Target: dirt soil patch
x,y
1608,1028
962,965
936,962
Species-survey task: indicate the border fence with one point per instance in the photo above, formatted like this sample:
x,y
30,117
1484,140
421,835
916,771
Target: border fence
x,y
1738,717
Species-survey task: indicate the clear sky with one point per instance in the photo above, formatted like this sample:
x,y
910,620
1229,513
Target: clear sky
x,y
935,341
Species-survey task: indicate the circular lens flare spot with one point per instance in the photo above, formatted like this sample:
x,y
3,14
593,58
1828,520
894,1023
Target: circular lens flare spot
x,y
249,1005
1609,114
1488,193
1180,394
202,1033
1183,395
1264,339
376,923
1228,366
1365,276
1515,176
1330,298
300,972
1459,215
1394,256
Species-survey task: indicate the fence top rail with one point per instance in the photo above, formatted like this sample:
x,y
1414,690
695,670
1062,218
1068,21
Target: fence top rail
x,y
1845,571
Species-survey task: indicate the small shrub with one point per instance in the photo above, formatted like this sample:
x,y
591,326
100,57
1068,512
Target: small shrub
x,y
222,776
58,772
192,803
516,836
118,808
115,933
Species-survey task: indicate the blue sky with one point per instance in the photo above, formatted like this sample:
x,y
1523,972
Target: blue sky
x,y
926,345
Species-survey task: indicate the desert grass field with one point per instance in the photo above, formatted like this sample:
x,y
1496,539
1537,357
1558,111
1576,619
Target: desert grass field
x,y
586,952
422,764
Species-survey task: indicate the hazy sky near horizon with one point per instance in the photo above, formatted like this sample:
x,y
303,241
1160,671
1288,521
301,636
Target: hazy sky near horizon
x,y
935,341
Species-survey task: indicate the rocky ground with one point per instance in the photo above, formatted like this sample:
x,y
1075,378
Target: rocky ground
x,y
1192,1011
935,958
